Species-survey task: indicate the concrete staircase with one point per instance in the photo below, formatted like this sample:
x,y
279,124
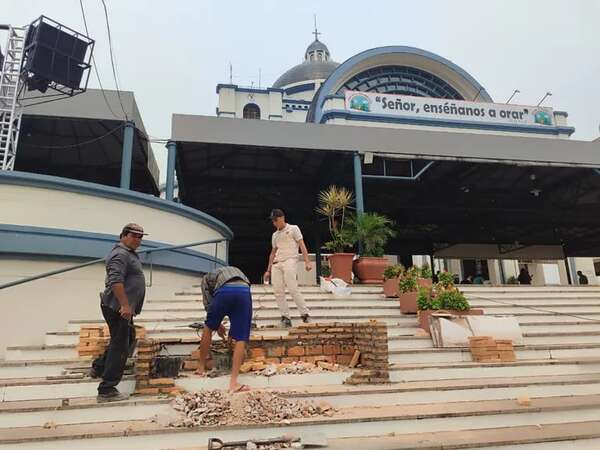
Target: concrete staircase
x,y
436,396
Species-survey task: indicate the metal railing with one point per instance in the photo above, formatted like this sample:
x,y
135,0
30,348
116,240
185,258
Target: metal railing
x,y
148,251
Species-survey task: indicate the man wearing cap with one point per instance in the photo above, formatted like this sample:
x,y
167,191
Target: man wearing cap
x,y
286,241
123,298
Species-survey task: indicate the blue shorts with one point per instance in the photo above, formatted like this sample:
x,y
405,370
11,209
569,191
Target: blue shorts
x,y
236,303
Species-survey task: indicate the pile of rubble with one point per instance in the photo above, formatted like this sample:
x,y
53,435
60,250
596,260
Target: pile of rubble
x,y
213,407
295,368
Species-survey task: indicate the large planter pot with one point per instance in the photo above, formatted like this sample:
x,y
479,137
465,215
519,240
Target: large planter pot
x,y
390,287
424,315
369,269
341,266
408,302
424,282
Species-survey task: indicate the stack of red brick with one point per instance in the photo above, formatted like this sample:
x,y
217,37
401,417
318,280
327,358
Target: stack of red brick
x,y
488,349
331,343
93,340
148,350
371,339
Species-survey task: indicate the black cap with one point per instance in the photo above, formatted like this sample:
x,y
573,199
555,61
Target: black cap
x,y
275,213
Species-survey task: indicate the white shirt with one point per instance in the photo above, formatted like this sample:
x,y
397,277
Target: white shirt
x,y
286,241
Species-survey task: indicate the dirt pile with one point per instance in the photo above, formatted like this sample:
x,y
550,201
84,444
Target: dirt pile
x,y
213,407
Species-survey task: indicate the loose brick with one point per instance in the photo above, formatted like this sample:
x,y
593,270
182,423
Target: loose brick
x,y
343,359
290,359
272,360
161,382
147,391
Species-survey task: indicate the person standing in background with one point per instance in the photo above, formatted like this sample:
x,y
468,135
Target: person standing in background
x,y
281,270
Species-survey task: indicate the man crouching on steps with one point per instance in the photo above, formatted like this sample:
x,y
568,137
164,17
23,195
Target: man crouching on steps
x,y
226,292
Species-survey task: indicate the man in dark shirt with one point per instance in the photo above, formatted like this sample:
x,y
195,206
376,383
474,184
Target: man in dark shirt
x,y
582,278
123,298
226,292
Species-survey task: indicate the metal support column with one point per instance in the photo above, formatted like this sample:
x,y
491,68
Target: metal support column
x,y
358,184
570,271
358,191
170,188
127,155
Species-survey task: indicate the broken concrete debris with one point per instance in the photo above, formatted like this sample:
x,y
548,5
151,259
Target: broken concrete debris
x,y
214,407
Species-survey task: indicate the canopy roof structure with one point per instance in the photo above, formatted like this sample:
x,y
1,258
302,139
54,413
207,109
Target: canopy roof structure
x,y
82,138
510,191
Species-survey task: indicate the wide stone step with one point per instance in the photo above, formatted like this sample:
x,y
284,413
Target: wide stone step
x,y
348,422
540,351
170,322
35,413
42,388
469,369
317,313
37,368
84,410
576,435
441,391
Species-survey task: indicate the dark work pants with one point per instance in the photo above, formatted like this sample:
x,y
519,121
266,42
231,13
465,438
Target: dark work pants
x,y
111,365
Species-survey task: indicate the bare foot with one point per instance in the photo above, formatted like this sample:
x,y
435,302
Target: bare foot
x,y
239,388
201,372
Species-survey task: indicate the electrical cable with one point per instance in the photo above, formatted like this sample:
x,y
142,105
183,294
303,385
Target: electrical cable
x,y
94,63
79,144
112,58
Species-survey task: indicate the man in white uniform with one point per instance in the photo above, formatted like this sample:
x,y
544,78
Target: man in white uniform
x,y
286,241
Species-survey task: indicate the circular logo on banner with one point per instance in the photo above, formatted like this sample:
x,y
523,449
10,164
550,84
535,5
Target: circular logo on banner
x,y
542,117
360,102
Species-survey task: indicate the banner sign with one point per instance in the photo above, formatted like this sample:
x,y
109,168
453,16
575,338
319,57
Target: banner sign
x,y
445,109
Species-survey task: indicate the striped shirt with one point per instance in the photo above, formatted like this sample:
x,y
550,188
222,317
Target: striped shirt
x,y
212,281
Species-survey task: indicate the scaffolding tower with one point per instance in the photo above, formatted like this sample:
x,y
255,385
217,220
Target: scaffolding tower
x,y
11,109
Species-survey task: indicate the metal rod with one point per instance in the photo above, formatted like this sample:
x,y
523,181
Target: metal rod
x,y
392,177
98,260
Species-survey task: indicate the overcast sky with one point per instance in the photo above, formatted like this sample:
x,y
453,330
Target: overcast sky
x,y
173,53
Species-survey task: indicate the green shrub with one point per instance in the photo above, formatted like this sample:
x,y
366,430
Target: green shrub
x,y
453,299
407,283
393,271
446,279
426,272
426,300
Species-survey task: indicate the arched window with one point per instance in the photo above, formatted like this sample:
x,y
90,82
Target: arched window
x,y
251,111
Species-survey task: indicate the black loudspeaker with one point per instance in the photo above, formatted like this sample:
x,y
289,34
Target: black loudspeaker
x,y
55,55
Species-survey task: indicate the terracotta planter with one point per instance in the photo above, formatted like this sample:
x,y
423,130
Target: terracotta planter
x,y
369,269
408,302
424,315
341,266
424,282
390,287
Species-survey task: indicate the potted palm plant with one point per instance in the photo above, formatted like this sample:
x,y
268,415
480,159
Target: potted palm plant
x,y
334,204
391,276
373,230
